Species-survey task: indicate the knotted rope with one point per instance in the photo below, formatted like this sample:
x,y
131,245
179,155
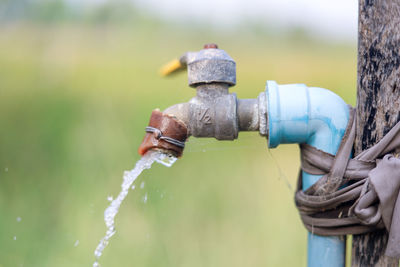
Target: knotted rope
x,y
354,196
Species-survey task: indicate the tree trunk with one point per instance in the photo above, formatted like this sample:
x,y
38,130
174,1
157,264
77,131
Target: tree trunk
x,y
378,100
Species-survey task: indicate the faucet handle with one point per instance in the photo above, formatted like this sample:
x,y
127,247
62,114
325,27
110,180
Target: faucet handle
x,y
172,67
209,65
177,65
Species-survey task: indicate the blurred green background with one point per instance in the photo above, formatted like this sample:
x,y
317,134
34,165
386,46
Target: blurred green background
x,y
77,90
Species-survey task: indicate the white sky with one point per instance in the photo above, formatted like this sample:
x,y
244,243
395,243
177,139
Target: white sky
x,y
332,19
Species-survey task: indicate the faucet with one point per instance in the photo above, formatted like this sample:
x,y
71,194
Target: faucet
x,y
292,113
213,112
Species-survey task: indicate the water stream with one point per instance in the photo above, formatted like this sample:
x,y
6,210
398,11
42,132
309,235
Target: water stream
x,y
129,177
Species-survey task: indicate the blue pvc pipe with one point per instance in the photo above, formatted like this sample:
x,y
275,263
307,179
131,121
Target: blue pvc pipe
x,y
318,117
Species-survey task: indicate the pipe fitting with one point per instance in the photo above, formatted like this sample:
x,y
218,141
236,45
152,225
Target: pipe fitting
x,y
301,114
247,111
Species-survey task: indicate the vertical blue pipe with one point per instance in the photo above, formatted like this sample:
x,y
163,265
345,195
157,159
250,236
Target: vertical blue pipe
x,y
318,117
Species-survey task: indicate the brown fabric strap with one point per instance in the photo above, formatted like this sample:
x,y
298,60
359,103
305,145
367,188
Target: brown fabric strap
x,y
353,196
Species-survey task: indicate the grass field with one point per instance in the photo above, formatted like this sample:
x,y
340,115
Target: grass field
x,y
74,101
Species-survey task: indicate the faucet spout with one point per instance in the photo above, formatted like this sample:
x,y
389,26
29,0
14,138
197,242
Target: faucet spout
x,y
166,133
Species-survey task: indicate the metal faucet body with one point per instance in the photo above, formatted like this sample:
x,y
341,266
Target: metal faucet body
x,y
214,112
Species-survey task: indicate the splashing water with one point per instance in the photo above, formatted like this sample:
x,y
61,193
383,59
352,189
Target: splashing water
x,y
129,177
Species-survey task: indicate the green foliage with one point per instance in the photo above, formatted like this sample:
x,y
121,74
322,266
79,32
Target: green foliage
x,y
74,101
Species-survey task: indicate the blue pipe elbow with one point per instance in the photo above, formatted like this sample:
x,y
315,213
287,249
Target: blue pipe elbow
x,y
318,117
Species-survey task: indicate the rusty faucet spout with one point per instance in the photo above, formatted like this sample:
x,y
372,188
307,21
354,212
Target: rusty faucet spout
x,y
164,132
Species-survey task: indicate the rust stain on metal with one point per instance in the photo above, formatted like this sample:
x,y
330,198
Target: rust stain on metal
x,y
170,127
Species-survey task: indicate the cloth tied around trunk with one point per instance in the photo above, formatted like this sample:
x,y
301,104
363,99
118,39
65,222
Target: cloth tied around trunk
x,y
353,196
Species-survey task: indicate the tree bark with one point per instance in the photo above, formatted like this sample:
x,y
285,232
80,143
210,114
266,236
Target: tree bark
x,y
378,101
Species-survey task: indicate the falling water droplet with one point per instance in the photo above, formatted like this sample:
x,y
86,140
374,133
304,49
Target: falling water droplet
x,y
19,219
76,243
166,160
141,185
